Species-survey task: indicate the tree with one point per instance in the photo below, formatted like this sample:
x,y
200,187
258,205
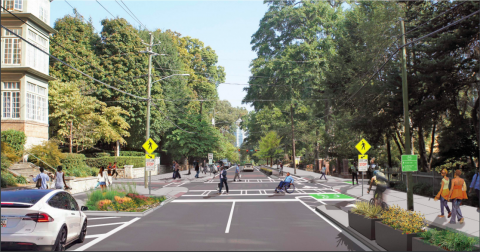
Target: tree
x,y
269,146
83,119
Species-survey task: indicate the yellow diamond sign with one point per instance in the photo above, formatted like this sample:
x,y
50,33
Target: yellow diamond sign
x,y
363,146
150,156
150,146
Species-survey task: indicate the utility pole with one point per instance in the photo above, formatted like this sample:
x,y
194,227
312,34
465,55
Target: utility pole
x,y
150,55
293,142
406,118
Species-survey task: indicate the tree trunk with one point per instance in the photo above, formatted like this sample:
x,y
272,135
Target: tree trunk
x,y
398,145
422,150
389,154
71,136
271,162
293,141
400,138
432,145
186,165
317,148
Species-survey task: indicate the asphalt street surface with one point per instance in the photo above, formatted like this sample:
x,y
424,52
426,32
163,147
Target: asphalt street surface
x,y
251,217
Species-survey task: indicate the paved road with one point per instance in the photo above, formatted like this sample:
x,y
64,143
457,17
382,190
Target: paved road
x,y
251,217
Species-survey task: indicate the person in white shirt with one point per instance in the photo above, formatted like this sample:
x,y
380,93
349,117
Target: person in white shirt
x,y
102,178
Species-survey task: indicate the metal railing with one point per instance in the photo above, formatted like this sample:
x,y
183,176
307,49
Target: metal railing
x,y
52,169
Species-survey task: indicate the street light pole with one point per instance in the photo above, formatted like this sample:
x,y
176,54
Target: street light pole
x,y
406,118
150,55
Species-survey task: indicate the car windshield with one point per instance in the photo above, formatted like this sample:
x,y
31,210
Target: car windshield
x,y
24,196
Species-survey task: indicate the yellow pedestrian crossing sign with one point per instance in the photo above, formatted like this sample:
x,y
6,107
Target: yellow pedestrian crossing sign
x,y
150,146
150,156
362,157
363,146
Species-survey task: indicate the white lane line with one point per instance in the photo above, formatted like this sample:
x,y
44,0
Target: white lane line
x,y
232,200
93,236
101,218
182,184
265,191
168,184
108,224
256,190
99,239
227,230
365,248
262,193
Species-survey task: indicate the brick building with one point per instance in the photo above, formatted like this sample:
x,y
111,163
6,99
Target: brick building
x,y
24,69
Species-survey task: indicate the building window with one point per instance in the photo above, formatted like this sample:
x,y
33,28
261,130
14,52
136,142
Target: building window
x,y
11,100
13,5
36,103
36,58
12,52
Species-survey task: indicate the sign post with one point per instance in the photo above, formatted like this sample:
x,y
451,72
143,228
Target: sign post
x,y
149,146
363,146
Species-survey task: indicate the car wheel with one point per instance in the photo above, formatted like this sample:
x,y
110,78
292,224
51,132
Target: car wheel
x,y
83,233
61,241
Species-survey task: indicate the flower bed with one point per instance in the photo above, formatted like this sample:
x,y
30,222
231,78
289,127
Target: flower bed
x,y
266,171
362,218
449,240
121,198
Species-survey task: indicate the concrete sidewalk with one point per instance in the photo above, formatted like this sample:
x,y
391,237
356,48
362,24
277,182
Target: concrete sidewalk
x,y
424,205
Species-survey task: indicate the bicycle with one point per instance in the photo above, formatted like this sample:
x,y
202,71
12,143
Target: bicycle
x,y
382,204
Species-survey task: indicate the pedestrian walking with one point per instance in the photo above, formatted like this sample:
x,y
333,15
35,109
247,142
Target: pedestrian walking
x,y
59,179
237,173
324,170
354,173
475,185
110,173
177,168
174,170
204,168
41,179
458,192
114,172
102,178
280,173
197,169
443,194
223,180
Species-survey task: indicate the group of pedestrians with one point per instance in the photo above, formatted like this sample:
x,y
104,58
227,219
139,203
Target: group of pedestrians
x,y
455,190
176,170
42,179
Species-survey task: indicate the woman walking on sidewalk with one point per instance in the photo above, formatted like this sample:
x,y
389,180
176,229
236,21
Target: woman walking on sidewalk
x,y
443,194
458,192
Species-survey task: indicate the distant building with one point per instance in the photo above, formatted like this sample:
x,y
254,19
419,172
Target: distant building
x,y
240,134
24,70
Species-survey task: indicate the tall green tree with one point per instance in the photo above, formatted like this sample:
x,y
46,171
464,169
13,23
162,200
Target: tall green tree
x,y
270,146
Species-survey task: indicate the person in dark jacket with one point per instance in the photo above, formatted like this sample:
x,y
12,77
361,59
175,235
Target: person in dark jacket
x,y
197,169
223,180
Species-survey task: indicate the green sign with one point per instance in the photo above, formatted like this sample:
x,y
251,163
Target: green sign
x,y
335,196
409,163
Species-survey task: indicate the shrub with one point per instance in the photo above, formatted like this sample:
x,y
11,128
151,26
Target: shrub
x,y
21,180
121,161
81,171
73,160
266,171
368,210
48,152
401,219
8,179
9,153
5,163
449,239
15,139
102,154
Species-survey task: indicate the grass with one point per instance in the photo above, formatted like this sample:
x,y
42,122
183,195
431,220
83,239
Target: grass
x,y
368,210
449,239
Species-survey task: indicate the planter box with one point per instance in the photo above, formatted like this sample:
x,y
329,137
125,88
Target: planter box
x,y
391,239
364,226
419,245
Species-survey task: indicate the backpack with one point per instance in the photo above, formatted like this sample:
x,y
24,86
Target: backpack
x,y
381,177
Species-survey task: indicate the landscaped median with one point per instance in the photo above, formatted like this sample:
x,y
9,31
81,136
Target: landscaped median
x,y
267,172
121,198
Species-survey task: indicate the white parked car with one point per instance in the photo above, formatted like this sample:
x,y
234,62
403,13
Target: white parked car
x,y
248,167
36,219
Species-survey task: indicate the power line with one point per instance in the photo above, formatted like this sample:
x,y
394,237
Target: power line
x,y
105,9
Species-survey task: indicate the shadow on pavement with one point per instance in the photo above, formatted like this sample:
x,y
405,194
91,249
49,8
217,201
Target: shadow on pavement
x,y
342,240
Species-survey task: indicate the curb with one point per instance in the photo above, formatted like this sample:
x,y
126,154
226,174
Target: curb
x,y
370,244
128,214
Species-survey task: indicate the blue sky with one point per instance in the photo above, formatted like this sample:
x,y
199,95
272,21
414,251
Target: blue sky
x,y
226,26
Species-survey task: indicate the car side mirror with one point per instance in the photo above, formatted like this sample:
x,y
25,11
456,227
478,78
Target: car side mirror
x,y
84,208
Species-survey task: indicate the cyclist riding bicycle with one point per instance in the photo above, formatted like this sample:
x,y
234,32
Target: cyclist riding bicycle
x,y
288,180
381,185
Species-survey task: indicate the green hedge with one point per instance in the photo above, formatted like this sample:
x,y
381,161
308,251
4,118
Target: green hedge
x,y
121,161
102,154
5,163
14,138
266,171
73,160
